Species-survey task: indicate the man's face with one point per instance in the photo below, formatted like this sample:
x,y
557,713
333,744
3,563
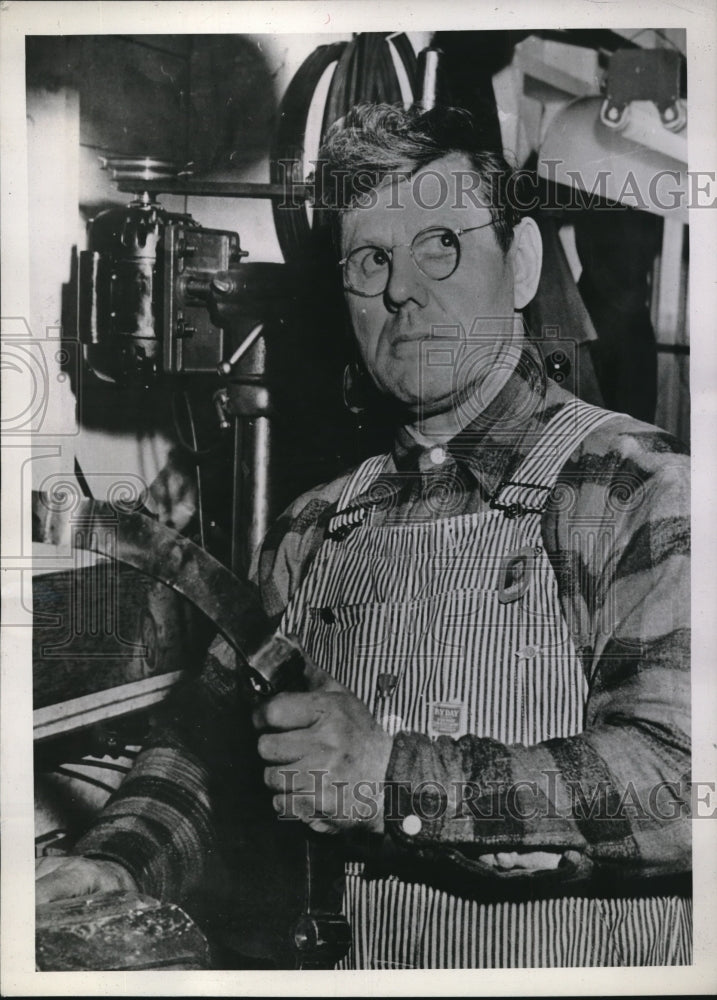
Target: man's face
x,y
430,343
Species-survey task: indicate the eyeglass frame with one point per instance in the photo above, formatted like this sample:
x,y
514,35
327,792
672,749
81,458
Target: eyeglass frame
x,y
389,251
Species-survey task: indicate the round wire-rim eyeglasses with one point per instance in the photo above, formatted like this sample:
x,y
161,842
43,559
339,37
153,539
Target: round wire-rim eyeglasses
x,y
380,278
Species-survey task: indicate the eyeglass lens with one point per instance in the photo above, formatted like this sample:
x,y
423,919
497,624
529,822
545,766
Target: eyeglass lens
x,y
435,253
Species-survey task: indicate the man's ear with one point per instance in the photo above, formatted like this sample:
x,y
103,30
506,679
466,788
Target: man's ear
x,y
527,253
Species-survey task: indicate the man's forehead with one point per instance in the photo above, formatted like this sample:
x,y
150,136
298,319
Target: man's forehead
x,y
447,189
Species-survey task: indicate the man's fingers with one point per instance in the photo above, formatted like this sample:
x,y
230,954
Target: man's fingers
x,y
318,680
43,866
294,807
289,780
279,779
299,710
322,826
537,860
67,877
58,885
285,748
526,860
303,808
75,875
287,711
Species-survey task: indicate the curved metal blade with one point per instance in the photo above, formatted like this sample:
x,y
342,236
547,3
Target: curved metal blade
x,y
162,553
268,663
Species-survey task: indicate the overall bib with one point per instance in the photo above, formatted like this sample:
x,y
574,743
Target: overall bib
x,y
454,626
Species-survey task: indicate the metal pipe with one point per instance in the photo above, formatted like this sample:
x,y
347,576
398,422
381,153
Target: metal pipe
x,y
252,489
261,482
291,193
87,710
240,500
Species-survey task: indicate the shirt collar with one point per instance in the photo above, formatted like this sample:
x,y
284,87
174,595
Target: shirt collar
x,y
498,437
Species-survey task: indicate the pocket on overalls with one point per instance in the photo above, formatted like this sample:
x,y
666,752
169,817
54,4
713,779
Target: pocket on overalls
x,y
349,642
399,658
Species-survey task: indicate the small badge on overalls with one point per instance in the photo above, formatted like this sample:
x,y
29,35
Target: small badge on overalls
x,y
446,718
514,575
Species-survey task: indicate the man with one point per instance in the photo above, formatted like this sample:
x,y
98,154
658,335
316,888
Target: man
x,y
496,610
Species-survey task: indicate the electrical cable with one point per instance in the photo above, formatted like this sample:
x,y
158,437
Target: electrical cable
x,y
198,473
181,440
69,773
401,43
107,765
81,480
365,71
293,228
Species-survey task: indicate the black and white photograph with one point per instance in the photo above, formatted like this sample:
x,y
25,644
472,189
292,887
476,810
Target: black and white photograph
x,y
358,403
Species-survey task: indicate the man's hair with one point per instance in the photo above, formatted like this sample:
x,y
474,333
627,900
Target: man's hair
x,y
374,141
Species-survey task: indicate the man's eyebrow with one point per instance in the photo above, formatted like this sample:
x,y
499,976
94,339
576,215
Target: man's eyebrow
x,y
441,223
369,240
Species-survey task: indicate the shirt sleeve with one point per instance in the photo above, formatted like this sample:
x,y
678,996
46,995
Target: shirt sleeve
x,y
281,562
161,823
615,797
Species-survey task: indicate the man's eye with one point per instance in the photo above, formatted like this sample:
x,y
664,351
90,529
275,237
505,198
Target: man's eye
x,y
369,260
435,243
442,241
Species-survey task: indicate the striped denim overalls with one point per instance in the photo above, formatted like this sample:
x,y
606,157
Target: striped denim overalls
x,y
454,626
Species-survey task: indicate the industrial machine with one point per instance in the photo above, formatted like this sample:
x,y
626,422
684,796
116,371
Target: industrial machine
x,y
163,301
165,304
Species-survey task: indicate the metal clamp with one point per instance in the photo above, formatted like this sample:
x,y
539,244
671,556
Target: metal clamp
x,y
516,508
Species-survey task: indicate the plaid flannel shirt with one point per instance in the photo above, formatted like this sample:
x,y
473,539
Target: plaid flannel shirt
x,y
614,798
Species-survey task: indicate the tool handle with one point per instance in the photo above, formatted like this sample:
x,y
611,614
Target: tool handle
x,y
278,665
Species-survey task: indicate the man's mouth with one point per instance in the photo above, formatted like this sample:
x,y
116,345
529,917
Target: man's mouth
x,y
409,336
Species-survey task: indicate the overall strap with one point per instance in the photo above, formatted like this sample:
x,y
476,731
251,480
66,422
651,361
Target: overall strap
x,y
529,487
360,479
346,516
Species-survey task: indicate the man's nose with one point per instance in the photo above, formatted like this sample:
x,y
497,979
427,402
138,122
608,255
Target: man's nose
x,y
405,282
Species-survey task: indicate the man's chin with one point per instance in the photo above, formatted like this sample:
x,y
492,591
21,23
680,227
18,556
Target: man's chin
x,y
415,402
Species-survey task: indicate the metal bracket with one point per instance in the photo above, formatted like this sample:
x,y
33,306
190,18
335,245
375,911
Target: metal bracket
x,y
644,75
516,508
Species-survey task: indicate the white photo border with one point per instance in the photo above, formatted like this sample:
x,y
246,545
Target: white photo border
x,y
18,19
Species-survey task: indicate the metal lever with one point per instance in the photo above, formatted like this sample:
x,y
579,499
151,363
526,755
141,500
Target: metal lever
x,y
321,939
225,368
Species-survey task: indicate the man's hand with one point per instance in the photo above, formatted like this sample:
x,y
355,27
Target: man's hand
x,y
72,875
327,756
173,495
527,860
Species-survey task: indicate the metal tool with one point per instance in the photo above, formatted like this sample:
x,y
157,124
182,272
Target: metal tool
x,y
270,663
316,934
116,931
